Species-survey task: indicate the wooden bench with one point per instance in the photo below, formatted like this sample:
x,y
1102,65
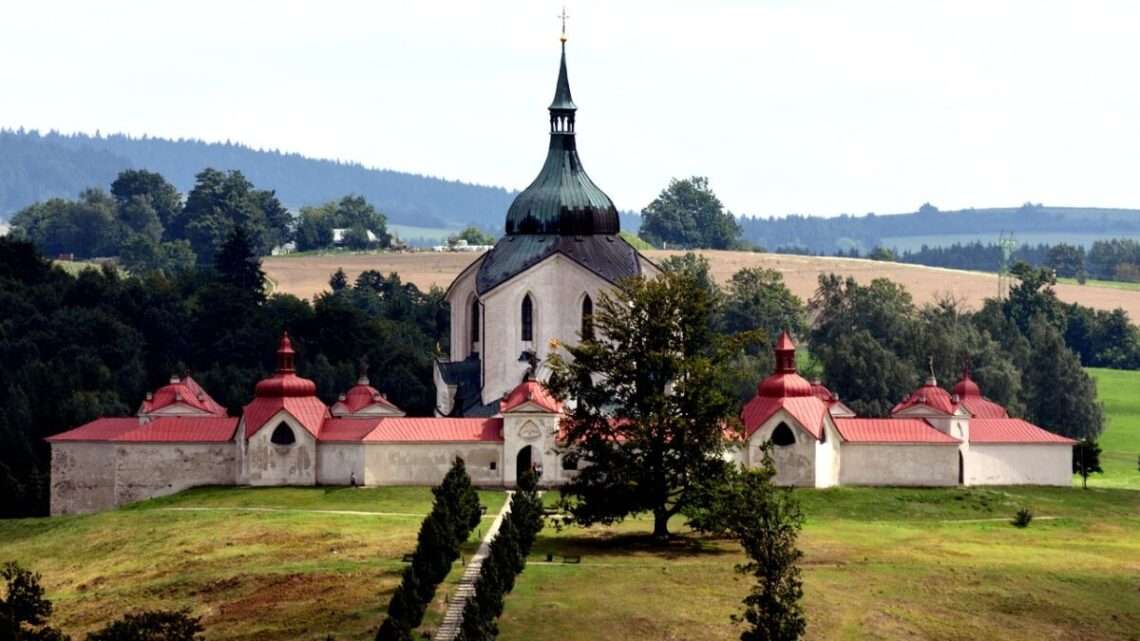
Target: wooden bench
x,y
408,558
572,559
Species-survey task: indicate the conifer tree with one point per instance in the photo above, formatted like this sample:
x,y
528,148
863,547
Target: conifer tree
x,y
1086,460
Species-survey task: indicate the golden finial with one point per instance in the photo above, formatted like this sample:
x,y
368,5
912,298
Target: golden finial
x,y
563,17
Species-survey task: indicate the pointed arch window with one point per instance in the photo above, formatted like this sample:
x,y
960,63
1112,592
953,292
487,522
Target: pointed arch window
x,y
282,435
527,318
474,323
783,436
587,318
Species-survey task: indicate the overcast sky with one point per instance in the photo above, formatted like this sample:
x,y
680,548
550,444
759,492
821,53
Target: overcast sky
x,y
787,107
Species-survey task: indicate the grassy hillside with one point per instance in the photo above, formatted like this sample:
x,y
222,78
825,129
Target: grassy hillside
x,y
318,561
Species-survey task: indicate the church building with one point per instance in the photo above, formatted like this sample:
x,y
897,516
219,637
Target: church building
x,y
535,288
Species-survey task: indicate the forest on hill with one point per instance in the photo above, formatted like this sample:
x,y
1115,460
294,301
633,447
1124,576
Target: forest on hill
x,y
35,167
1030,223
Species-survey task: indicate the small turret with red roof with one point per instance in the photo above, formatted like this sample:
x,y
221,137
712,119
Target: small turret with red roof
x,y
364,400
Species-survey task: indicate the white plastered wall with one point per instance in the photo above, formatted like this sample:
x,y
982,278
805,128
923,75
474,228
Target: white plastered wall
x,y
795,463
898,464
538,430
340,463
827,455
427,463
556,287
148,470
1019,464
82,477
265,463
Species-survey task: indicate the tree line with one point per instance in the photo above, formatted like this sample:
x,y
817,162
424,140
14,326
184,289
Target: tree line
x,y
149,225
78,347
1115,259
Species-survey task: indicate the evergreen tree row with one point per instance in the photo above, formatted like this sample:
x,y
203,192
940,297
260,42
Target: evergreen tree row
x,y
507,558
455,512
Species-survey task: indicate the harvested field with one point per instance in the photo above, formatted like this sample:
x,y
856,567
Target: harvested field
x,y
308,275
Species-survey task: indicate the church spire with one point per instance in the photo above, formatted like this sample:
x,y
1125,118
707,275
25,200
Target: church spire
x,y
562,108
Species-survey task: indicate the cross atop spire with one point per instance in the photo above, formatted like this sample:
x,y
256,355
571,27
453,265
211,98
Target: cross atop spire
x,y
563,17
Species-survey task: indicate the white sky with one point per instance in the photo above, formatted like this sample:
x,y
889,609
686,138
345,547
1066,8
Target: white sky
x,y
806,107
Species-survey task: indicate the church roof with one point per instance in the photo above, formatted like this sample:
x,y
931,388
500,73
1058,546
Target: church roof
x,y
561,211
607,256
891,430
562,199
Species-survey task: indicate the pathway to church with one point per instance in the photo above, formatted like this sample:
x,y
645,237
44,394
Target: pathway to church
x,y
449,628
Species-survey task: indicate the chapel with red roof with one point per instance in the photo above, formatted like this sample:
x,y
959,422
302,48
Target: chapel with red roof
x,y
180,438
510,308
931,438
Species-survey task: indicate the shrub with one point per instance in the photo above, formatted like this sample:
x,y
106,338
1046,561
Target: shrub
x,y
1023,517
154,625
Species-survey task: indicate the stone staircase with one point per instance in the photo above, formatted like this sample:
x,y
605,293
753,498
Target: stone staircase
x,y
453,618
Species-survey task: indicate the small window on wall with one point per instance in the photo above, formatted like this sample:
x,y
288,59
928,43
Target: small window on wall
x,y
782,436
587,318
527,318
282,435
494,465
474,322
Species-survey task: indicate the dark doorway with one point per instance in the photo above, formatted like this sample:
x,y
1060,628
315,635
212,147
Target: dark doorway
x,y
961,469
523,463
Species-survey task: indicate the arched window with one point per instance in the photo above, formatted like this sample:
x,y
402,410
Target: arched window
x,y
474,323
282,435
782,436
587,318
527,318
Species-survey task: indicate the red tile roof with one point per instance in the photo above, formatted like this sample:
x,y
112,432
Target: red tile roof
x,y
362,395
167,429
347,430
929,395
807,410
308,410
404,430
530,392
970,396
185,390
891,430
1011,430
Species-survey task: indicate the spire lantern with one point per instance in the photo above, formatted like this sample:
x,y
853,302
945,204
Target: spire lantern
x,y
785,354
285,355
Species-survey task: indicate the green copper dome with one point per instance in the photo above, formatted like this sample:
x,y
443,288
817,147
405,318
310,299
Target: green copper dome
x,y
562,199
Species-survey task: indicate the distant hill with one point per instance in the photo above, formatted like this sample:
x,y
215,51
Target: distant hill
x,y
36,166
1030,224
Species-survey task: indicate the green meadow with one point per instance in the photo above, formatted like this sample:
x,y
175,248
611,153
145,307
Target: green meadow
x,y
879,563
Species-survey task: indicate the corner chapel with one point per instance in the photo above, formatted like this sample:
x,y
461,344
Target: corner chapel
x,y
561,249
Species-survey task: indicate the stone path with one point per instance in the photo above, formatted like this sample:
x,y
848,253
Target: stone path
x,y
453,618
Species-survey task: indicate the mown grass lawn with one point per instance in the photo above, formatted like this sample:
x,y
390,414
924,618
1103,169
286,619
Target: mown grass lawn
x,y
326,563
879,563
1119,390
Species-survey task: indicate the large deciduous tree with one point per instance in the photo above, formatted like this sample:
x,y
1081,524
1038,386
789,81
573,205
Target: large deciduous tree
x,y
650,401
688,214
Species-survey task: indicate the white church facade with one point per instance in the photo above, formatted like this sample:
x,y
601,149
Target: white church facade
x,y
536,287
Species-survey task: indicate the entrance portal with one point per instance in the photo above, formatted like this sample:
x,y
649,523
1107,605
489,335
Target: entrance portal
x,y
523,462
